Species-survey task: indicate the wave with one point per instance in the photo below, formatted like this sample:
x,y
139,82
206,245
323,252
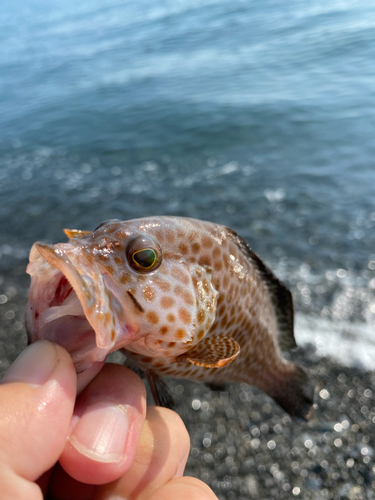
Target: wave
x,y
352,344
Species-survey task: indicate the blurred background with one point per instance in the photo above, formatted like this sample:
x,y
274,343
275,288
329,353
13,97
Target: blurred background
x,y
254,114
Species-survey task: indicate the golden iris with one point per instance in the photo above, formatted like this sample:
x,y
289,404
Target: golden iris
x,y
145,258
144,254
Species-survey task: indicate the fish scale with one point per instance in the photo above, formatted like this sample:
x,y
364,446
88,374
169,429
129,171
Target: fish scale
x,y
180,297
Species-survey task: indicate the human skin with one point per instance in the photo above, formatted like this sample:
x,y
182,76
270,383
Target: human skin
x,y
103,444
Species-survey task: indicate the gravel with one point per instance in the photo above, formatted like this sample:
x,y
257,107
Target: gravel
x,y
244,446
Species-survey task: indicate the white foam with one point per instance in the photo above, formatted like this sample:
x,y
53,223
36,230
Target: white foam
x,y
351,344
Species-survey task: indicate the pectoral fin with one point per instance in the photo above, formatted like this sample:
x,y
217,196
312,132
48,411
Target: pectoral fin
x,y
214,351
75,233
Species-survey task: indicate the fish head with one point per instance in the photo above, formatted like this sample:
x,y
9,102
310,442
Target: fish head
x,y
124,285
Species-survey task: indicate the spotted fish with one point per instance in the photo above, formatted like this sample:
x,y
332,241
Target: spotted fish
x,y
180,297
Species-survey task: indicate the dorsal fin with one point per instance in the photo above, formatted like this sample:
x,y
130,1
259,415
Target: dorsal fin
x,y
75,233
214,351
281,297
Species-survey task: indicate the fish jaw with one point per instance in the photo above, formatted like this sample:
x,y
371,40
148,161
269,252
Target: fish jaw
x,y
70,304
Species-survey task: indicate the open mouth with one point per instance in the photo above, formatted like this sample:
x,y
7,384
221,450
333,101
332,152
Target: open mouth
x,y
67,307
64,322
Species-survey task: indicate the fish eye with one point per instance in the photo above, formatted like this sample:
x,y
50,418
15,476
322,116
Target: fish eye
x,y
143,254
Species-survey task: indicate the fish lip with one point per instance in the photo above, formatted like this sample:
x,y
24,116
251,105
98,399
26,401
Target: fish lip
x,y
88,283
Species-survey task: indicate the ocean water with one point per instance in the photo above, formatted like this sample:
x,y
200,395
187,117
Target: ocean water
x,y
256,115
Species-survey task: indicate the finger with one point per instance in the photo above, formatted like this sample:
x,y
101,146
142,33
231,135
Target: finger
x,y
161,455
36,403
184,488
106,425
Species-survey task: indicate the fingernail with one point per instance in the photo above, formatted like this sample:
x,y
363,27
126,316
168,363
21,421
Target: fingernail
x,y
101,432
34,365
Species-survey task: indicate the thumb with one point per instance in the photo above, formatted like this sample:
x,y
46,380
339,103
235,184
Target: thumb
x,y
37,398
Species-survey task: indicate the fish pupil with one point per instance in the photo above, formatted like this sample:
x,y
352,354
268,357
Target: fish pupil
x,y
145,258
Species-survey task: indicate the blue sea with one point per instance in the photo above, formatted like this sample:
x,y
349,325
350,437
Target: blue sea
x,y
259,115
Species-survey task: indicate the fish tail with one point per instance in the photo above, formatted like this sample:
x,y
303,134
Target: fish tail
x,y
295,393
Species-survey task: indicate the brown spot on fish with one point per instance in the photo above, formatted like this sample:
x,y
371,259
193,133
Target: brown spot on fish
x,y
119,261
170,236
216,253
125,278
180,275
218,265
159,234
195,247
188,298
148,293
196,283
171,344
184,315
163,285
227,261
137,305
207,242
194,235
183,293
183,248
152,317
160,364
113,335
180,334
171,255
200,334
166,302
164,330
205,261
225,282
171,318
201,317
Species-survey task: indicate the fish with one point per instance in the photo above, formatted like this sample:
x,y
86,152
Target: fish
x,y
180,297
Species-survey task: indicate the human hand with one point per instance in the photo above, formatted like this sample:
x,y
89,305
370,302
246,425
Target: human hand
x,y
108,445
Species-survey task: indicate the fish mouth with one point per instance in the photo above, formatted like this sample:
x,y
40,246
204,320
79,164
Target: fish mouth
x,y
72,303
